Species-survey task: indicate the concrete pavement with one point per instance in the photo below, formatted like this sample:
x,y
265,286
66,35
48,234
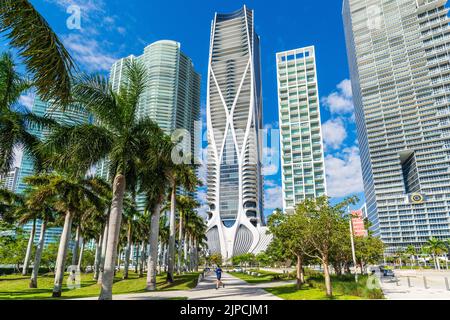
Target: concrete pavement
x,y
235,289
417,285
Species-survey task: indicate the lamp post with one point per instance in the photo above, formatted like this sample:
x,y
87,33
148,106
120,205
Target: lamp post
x,y
353,243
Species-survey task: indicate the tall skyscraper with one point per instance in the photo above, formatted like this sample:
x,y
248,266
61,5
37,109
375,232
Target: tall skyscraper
x,y
8,181
42,108
399,61
172,95
234,116
303,169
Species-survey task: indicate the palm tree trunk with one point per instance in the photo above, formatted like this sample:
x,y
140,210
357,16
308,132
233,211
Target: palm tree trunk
x,y
171,257
76,246
185,248
27,259
98,256
127,253
115,220
62,254
80,258
189,253
180,244
141,260
117,265
195,255
164,261
38,256
136,262
103,255
153,256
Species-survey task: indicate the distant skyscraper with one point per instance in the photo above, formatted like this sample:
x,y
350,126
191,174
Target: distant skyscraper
x,y
399,61
172,95
234,116
8,181
42,108
302,160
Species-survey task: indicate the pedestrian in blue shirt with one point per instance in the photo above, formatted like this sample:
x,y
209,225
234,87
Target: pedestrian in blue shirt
x,y
219,278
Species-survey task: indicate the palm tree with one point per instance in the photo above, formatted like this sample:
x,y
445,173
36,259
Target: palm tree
x,y
26,214
8,202
436,248
71,193
117,135
195,231
186,206
142,237
34,208
411,252
43,54
155,182
130,214
184,176
163,240
14,119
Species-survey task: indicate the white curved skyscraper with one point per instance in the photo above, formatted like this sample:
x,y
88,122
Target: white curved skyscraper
x,y
234,116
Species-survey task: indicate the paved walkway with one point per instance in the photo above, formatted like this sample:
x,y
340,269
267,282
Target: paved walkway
x,y
235,289
415,289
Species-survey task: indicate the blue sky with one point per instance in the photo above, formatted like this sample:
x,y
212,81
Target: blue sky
x,y
111,29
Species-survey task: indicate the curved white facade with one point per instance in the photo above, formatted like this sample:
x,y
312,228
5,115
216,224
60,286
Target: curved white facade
x,y
234,115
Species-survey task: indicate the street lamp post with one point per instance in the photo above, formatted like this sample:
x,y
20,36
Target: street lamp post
x,y
353,244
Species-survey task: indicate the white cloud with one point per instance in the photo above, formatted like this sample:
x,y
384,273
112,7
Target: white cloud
x,y
121,30
27,100
273,198
346,88
344,175
270,161
340,101
334,133
86,6
201,197
88,52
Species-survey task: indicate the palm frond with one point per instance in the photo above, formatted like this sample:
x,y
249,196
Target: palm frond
x,y
95,94
12,84
42,51
79,146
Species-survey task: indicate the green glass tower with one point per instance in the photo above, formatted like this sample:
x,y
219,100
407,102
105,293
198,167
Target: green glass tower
x,y
172,94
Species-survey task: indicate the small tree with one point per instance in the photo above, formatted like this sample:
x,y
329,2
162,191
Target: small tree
x,y
216,259
13,249
411,253
436,248
324,226
368,250
290,230
263,259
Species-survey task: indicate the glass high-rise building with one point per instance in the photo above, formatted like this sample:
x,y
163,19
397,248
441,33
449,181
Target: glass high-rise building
x,y
302,160
8,181
171,97
42,108
234,116
399,61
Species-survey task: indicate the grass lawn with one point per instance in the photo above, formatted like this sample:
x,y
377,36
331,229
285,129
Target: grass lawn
x,y
265,277
307,293
16,286
344,288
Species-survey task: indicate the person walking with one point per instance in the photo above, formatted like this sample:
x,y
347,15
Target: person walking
x,y
219,278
